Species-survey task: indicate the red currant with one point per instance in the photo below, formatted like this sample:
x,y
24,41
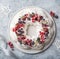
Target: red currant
x,y
33,19
52,13
10,44
42,33
45,29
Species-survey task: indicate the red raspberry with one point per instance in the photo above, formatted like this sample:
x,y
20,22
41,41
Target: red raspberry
x,y
52,13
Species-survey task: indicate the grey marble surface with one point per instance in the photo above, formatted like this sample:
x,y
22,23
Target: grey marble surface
x,y
8,8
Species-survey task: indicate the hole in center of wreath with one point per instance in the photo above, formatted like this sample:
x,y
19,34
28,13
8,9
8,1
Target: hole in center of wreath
x,y
33,31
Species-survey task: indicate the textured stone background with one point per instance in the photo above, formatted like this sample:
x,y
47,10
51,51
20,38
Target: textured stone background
x,y
8,8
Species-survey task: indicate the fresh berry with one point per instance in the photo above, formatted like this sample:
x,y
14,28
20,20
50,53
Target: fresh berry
x,y
42,36
56,16
42,39
44,25
33,19
42,33
14,30
19,38
46,33
19,19
19,31
32,43
10,44
28,40
36,16
45,29
24,42
23,37
19,26
41,17
52,14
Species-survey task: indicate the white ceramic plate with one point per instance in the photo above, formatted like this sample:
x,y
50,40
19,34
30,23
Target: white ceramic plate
x,y
15,19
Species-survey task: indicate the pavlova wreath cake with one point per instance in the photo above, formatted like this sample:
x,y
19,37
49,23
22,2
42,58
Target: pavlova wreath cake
x,y
32,29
